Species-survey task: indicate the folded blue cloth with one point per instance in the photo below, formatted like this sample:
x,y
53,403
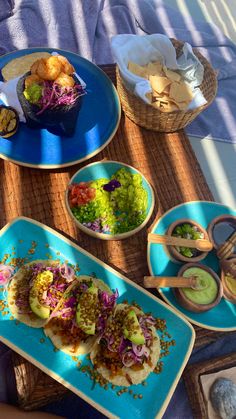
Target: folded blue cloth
x,y
6,8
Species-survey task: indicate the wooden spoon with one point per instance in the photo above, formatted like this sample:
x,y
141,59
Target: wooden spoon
x,y
201,244
172,282
227,248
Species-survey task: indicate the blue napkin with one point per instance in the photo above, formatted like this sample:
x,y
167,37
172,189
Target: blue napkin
x,y
6,9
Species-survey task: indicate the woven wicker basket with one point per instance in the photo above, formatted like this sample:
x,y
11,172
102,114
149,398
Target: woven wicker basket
x,y
151,118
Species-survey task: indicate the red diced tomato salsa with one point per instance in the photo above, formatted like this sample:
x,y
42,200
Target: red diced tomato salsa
x,y
81,194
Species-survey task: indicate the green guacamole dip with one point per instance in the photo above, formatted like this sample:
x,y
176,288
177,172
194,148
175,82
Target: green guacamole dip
x,y
33,93
206,295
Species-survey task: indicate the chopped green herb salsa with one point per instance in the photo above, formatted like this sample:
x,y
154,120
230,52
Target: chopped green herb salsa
x,y
188,231
111,206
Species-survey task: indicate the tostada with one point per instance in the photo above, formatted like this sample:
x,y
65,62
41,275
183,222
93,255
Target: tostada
x,y
36,289
129,348
81,315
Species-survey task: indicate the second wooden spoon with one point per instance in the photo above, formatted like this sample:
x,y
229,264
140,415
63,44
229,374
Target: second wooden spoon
x,y
172,282
201,244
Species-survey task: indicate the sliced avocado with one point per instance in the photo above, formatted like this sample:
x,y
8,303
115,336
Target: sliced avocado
x,y
40,311
132,329
85,312
42,280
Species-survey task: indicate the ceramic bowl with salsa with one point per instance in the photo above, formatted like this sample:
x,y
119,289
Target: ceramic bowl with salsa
x,y
210,289
187,229
109,200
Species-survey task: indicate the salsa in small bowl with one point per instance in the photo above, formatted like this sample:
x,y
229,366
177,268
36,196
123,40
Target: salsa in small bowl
x,y
206,296
109,200
186,229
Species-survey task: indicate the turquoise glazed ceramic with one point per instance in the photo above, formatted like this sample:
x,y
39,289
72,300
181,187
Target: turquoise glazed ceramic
x,y
105,169
16,242
96,125
223,316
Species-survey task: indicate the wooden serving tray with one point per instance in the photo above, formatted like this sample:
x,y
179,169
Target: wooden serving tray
x,y
166,160
192,374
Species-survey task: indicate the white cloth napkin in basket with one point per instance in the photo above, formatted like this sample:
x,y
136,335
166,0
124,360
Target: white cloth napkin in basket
x,y
157,47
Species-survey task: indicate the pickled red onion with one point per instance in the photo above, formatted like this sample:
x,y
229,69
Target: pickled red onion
x,y
6,273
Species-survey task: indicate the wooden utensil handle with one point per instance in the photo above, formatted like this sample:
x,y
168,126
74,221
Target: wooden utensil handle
x,y
227,248
232,238
167,281
200,244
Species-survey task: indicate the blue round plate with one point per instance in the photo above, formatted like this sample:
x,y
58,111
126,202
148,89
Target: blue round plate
x,y
105,169
96,125
223,316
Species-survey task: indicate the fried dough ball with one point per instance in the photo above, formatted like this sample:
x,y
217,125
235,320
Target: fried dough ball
x,y
67,68
49,68
33,78
65,80
34,67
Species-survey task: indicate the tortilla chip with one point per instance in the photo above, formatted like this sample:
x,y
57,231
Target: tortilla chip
x,y
157,95
155,69
159,83
172,75
156,104
180,92
21,65
137,69
167,90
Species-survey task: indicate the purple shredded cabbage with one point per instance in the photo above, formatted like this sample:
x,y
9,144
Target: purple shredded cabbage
x,y
83,287
124,344
55,95
6,272
97,226
67,272
147,320
108,302
107,299
129,352
101,324
70,302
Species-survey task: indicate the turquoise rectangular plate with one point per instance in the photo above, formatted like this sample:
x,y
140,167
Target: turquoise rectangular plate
x,y
16,241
